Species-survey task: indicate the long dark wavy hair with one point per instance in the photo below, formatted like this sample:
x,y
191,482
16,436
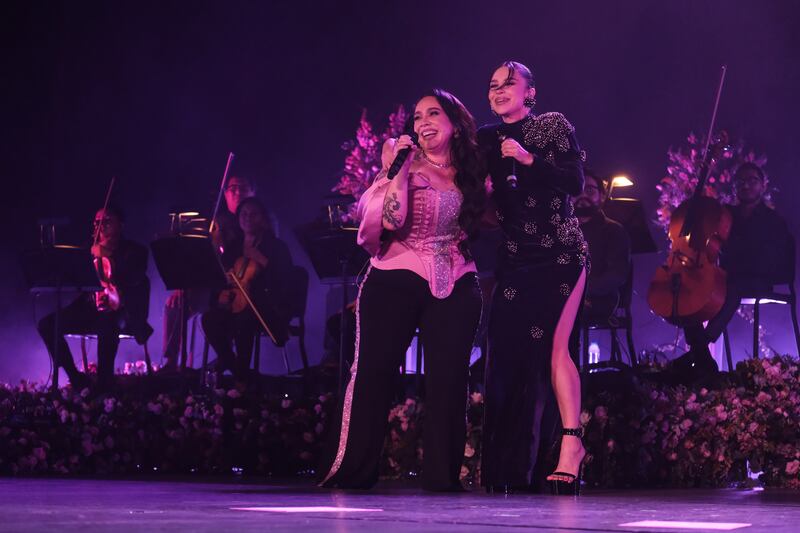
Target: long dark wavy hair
x,y
469,165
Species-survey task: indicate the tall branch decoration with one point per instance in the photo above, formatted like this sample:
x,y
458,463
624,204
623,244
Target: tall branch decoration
x,y
363,160
683,168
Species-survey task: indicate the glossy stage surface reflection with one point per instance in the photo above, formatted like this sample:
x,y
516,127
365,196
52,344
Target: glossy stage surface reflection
x,y
190,505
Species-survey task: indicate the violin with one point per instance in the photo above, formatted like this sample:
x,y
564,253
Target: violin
x,y
108,298
245,270
690,287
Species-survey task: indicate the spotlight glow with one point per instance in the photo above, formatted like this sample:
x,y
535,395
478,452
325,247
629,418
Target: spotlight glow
x,y
313,509
621,181
675,524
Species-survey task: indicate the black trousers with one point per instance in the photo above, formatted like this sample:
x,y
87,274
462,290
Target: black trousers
x,y
392,304
82,317
197,301
736,288
224,328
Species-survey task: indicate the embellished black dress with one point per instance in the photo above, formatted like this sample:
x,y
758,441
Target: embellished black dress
x,y
539,264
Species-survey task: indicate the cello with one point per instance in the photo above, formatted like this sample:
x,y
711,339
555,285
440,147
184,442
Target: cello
x,y
690,287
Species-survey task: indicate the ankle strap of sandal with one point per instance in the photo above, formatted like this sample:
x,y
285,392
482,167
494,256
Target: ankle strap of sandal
x,y
574,432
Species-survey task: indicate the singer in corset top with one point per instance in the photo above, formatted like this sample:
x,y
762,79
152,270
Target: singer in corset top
x,y
535,169
416,226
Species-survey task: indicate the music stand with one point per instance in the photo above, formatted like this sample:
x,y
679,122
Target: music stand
x,y
337,260
630,213
187,262
56,269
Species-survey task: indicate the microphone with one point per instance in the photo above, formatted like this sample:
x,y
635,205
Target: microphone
x,y
401,157
511,179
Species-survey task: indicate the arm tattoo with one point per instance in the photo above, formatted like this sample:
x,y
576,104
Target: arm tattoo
x,y
390,207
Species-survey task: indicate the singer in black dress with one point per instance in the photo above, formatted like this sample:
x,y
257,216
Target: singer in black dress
x,y
535,167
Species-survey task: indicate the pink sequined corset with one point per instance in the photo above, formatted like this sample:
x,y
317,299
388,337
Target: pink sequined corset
x,y
427,244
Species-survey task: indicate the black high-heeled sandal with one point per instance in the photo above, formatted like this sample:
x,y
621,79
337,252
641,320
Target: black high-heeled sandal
x,y
573,486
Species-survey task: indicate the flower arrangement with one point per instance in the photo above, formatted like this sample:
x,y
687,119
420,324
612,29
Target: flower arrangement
x,y
639,434
651,435
363,160
219,432
684,167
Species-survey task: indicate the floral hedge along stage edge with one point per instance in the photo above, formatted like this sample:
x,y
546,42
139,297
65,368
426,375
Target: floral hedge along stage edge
x,y
684,167
363,161
644,434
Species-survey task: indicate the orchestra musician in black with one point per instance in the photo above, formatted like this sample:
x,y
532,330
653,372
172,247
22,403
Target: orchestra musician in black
x,y
756,256
120,307
262,265
609,248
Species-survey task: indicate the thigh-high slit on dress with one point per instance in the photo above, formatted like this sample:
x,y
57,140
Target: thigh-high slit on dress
x,y
539,265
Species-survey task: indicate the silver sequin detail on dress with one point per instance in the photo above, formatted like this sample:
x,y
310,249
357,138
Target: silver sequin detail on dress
x,y
547,241
512,246
530,228
563,259
443,241
530,201
547,128
569,232
537,332
564,289
509,293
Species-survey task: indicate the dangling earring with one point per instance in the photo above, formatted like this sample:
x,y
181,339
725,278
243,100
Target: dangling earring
x,y
529,101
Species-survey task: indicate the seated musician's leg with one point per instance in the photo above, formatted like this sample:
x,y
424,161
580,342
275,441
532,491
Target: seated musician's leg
x,y
107,326
246,328
75,318
733,297
172,329
218,329
197,302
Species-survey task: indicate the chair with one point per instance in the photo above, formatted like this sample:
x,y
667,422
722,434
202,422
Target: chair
x,y
298,298
757,299
622,318
124,335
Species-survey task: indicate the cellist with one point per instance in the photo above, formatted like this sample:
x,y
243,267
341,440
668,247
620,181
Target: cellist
x,y
121,266
262,264
755,257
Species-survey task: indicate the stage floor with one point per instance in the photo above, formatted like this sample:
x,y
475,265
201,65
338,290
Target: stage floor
x,y
110,505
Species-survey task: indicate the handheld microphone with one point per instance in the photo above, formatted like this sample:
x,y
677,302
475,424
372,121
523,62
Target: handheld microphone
x,y
401,157
511,179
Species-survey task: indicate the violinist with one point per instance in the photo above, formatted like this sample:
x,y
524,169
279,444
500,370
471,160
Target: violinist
x,y
121,306
225,235
262,265
755,257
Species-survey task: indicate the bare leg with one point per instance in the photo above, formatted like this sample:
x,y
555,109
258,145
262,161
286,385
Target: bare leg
x,y
567,384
